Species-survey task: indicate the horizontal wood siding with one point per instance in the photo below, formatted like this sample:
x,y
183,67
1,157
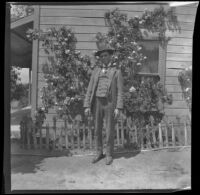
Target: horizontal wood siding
x,y
179,56
87,20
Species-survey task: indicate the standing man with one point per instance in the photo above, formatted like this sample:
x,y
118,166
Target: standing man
x,y
104,98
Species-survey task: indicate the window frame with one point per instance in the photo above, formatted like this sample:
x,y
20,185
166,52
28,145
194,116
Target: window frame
x,y
162,49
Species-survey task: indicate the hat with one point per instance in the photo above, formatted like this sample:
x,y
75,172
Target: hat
x,y
103,46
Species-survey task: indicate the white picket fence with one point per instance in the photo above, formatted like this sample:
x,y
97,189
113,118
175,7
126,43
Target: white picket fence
x,y
81,136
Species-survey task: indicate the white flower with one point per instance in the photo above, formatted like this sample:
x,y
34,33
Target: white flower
x,y
139,64
133,52
42,108
66,39
187,89
145,57
114,64
67,51
140,22
59,108
132,89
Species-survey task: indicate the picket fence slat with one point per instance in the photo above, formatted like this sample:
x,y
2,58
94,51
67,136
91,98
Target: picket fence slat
x,y
84,137
118,141
66,135
122,133
160,136
166,136
40,138
47,136
173,134
54,130
186,135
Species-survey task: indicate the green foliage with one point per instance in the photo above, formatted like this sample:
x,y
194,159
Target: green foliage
x,y
20,11
144,95
185,80
14,80
66,73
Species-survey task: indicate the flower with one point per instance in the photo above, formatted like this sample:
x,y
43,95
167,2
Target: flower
x,y
139,64
132,89
133,52
66,101
145,57
66,39
187,89
43,109
67,51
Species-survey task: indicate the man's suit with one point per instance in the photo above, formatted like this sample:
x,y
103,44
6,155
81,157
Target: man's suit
x,y
105,106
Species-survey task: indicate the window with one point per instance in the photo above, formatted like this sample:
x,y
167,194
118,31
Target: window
x,y
155,64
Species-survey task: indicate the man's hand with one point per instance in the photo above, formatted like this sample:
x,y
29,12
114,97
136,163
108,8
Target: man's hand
x,y
87,111
116,113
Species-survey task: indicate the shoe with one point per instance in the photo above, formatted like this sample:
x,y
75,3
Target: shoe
x,y
109,160
97,158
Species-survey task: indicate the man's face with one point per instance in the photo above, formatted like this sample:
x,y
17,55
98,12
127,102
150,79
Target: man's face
x,y
105,57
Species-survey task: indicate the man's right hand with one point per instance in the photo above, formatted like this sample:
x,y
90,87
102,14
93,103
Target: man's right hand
x,y
87,111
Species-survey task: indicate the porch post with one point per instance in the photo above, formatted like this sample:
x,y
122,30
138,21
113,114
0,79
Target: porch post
x,y
35,51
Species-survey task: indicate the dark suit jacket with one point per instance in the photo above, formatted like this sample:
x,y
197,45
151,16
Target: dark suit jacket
x,y
115,88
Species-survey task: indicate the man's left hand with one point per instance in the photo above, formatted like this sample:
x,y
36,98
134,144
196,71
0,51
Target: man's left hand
x,y
116,113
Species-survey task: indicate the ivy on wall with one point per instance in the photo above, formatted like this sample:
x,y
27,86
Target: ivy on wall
x,y
67,72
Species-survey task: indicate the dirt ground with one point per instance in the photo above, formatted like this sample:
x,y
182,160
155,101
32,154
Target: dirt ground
x,y
162,169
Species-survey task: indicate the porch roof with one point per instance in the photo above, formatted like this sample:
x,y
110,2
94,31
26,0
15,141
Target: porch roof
x,y
21,47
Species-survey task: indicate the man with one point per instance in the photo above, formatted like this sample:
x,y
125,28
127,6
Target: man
x,y
104,98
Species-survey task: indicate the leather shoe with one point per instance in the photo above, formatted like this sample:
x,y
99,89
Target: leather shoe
x,y
97,158
109,160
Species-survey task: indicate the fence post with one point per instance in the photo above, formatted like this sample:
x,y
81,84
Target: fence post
x,y
136,138
72,135
47,136
142,139
160,135
54,128
122,132
84,144
40,130
34,137
66,134
22,133
90,131
60,138
173,135
148,136
185,129
153,135
28,131
166,135
118,142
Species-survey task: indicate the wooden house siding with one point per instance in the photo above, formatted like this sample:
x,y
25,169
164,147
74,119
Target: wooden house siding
x,y
86,21
179,56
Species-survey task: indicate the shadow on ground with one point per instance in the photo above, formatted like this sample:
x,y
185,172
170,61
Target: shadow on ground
x,y
126,154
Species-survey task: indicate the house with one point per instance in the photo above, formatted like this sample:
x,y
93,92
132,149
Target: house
x,y
86,21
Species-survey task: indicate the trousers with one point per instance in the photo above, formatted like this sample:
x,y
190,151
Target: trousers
x,y
104,108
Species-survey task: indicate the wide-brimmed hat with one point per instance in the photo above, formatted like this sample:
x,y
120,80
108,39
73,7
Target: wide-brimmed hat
x,y
103,46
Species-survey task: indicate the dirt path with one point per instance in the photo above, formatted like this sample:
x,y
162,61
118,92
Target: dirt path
x,y
166,169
